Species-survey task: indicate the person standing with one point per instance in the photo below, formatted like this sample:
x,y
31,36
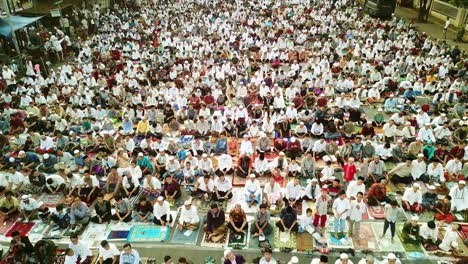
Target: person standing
x,y
321,205
391,214
341,208
357,209
446,26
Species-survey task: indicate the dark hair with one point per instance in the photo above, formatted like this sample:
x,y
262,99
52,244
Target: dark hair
x,y
263,206
68,250
167,258
100,195
49,181
341,192
393,203
431,224
449,197
74,235
308,210
182,260
360,178
104,243
267,250
59,207
15,233
127,245
214,205
360,193
118,198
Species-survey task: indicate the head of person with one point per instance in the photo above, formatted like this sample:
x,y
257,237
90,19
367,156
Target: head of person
x,y
105,245
414,220
383,183
342,194
74,238
214,208
263,208
391,258
127,248
394,204
344,258
267,253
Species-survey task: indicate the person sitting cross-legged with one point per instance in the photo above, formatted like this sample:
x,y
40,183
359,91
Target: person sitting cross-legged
x,y
188,219
288,220
410,232
262,226
238,220
215,223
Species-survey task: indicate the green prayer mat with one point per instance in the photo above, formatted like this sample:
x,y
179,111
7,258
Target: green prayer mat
x,y
409,247
291,243
238,241
253,243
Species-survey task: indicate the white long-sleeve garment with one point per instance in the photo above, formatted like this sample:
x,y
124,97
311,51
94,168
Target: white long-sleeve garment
x,y
189,215
411,196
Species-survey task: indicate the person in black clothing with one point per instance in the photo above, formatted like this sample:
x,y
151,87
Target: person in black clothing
x,y
37,180
143,211
20,248
215,223
103,210
288,220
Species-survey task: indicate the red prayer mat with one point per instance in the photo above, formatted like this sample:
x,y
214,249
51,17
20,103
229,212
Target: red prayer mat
x,y
22,227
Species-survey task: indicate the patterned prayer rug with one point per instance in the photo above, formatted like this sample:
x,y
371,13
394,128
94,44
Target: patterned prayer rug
x,y
254,244
343,241
219,244
148,233
22,227
284,240
367,239
51,200
6,225
377,212
409,247
385,243
187,237
238,241
94,232
305,242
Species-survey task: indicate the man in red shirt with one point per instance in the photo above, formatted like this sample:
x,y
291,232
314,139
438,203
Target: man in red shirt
x,y
349,170
377,193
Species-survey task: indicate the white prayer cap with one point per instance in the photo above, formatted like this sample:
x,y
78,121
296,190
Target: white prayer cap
x,y
294,260
351,159
416,185
46,156
11,159
432,187
160,198
314,180
462,182
140,154
281,153
293,139
415,218
205,155
76,151
391,256
454,244
21,152
344,256
188,202
420,155
418,138
226,252
252,175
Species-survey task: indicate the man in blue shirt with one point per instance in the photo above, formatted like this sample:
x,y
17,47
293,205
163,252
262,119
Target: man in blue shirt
x,y
127,126
129,255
